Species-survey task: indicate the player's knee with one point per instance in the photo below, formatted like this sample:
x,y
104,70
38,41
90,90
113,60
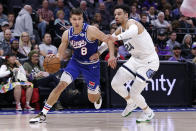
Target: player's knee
x,y
60,87
137,87
67,78
93,97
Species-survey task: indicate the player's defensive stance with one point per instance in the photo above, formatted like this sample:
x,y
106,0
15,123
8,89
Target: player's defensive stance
x,y
83,38
143,63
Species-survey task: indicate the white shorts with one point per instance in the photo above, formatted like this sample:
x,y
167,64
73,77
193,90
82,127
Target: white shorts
x,y
143,69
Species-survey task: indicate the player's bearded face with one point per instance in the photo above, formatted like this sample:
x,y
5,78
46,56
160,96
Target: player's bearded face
x,y
120,16
76,21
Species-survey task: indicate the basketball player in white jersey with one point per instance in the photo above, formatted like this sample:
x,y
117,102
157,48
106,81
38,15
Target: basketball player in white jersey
x,y
143,63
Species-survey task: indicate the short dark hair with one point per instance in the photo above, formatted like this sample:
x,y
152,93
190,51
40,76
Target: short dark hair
x,y
172,32
125,8
76,11
143,14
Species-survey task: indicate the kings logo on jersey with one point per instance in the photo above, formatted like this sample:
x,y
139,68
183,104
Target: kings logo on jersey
x,y
78,44
91,84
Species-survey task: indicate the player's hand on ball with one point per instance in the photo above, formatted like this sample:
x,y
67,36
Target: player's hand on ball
x,y
95,56
112,62
51,63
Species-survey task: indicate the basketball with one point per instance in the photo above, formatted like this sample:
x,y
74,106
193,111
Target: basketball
x,y
51,65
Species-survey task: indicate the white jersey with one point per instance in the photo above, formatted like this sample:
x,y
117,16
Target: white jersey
x,y
141,46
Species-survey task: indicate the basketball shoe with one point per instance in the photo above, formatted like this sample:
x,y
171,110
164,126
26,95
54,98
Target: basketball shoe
x,y
145,117
40,118
128,110
98,103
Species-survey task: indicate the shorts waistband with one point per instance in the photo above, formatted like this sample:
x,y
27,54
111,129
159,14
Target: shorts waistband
x,y
86,62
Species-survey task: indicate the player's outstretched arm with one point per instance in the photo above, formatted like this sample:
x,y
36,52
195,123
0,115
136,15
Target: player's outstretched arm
x,y
97,34
103,47
63,45
132,31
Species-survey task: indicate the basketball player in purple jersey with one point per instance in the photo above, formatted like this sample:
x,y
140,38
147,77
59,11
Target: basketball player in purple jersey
x,y
83,39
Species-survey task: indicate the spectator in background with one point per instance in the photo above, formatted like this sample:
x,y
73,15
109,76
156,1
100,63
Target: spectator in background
x,y
4,26
134,15
24,22
186,45
120,2
149,3
162,4
46,47
176,12
193,52
3,17
105,17
41,58
11,20
161,23
15,48
144,22
98,19
112,30
172,40
73,3
45,16
86,12
168,15
5,47
8,81
113,25
109,4
60,24
161,45
61,6
176,54
186,23
25,44
151,15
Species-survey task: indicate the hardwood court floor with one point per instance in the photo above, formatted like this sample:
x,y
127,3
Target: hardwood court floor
x,y
173,120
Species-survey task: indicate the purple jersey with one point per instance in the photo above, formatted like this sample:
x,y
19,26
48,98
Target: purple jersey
x,y
83,48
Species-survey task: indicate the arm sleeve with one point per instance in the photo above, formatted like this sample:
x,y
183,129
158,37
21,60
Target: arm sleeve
x,y
131,32
103,47
3,71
